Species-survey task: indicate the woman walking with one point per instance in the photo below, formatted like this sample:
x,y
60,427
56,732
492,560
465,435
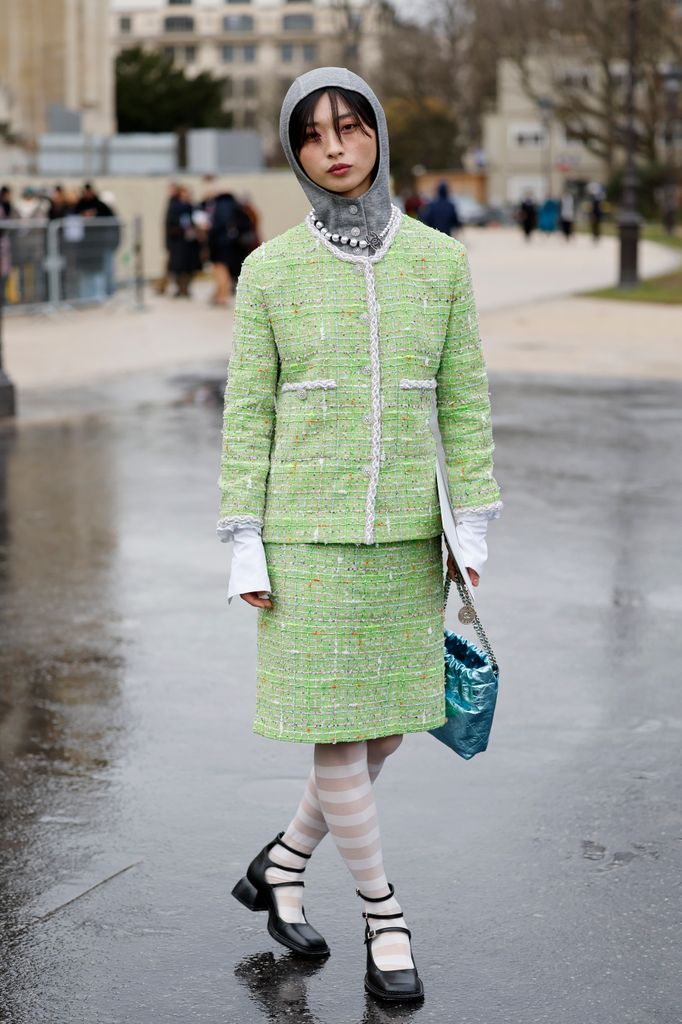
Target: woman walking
x,y
345,325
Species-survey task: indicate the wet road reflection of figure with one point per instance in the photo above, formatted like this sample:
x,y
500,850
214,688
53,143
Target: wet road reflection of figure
x,y
345,326
278,986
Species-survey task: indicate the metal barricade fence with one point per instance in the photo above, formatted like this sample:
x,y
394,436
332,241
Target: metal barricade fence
x,y
67,262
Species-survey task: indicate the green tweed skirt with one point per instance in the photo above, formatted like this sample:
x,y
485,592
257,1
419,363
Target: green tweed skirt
x,y
352,648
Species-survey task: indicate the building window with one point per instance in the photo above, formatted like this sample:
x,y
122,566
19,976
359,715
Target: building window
x,y
228,88
190,54
575,79
309,51
178,24
169,52
287,52
249,54
250,88
298,23
238,23
249,118
527,136
228,54
177,3
125,25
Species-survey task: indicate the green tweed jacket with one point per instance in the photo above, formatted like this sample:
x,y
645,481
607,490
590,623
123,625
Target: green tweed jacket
x,y
335,361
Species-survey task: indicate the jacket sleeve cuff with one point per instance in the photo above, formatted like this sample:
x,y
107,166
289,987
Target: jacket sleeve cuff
x,y
249,570
227,527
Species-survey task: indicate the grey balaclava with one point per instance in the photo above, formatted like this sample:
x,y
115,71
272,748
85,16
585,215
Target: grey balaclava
x,y
373,209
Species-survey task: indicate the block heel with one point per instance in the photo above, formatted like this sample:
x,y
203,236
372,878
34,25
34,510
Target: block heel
x,y
255,892
248,895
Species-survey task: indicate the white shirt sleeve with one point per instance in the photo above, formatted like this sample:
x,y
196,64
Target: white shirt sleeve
x,y
249,571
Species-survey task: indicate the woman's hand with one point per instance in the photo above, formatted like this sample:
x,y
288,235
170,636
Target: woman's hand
x,y
452,571
257,602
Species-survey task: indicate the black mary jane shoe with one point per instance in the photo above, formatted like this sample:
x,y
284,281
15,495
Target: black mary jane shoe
x,y
256,893
402,986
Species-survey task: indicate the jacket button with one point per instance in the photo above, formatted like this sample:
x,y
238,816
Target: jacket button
x,y
367,418
355,232
357,267
353,209
367,368
302,394
364,317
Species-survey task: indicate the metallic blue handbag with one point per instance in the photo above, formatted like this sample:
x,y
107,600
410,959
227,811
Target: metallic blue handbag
x,y
471,682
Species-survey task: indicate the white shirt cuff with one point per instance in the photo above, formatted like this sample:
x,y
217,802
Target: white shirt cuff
x,y
249,570
471,530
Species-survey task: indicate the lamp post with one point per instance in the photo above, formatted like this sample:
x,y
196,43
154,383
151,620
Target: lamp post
x,y
629,218
672,79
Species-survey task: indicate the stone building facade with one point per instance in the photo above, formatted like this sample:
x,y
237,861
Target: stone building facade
x,y
56,67
256,46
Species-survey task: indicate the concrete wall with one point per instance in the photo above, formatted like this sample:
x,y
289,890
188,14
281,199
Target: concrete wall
x,y
276,195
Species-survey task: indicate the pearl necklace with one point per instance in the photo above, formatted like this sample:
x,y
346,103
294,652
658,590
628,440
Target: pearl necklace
x,y
374,240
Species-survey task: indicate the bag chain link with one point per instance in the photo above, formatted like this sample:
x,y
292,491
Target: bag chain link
x,y
476,622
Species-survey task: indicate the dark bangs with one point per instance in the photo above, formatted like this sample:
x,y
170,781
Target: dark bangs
x,y
303,115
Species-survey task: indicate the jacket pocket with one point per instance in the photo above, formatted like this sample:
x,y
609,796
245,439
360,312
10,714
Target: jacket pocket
x,y
426,384
305,412
302,387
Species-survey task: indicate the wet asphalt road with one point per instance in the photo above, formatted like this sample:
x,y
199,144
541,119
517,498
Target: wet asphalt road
x,y
541,879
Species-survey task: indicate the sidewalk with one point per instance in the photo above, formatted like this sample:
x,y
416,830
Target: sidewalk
x,y
527,322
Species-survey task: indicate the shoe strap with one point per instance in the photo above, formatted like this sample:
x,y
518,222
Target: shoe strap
x,y
283,867
373,932
280,842
278,885
381,917
376,899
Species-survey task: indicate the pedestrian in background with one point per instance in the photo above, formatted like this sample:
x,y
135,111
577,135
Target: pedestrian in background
x,y
595,194
251,238
413,203
6,213
162,282
229,224
527,215
567,213
441,213
328,453
548,217
184,251
59,204
95,248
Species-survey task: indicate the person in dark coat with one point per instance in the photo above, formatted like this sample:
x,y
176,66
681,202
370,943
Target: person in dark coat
x,y
230,224
184,258
527,215
441,212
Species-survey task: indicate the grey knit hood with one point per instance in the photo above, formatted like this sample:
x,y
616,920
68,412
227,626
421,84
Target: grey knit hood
x,y
367,215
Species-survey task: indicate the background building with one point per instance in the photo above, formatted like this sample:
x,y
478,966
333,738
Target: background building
x,y
524,145
257,46
56,68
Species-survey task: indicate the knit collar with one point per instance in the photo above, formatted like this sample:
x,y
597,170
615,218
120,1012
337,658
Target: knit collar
x,y
367,216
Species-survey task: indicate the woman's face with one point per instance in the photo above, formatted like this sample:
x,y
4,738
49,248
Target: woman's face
x,y
340,163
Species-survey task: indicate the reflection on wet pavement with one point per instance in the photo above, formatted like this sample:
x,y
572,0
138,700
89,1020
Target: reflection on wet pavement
x,y
133,792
